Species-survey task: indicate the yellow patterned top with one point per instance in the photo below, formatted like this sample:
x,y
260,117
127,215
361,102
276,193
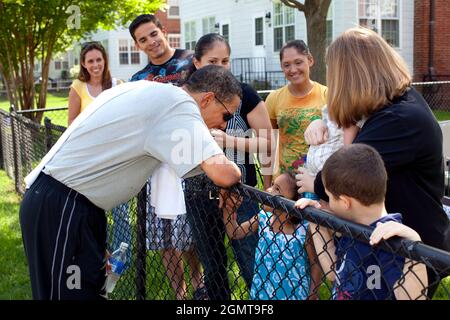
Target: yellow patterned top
x,y
293,115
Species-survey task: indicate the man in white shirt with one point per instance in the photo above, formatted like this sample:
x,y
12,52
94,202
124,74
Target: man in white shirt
x,y
127,132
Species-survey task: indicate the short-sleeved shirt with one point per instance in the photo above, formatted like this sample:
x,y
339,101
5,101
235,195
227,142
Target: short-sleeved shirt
x,y
172,71
293,115
359,263
282,269
82,90
109,156
239,126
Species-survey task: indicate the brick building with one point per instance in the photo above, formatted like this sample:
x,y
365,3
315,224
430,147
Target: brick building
x,y
431,47
170,19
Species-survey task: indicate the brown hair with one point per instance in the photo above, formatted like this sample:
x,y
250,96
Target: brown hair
x,y
364,74
143,18
292,183
356,171
298,45
84,74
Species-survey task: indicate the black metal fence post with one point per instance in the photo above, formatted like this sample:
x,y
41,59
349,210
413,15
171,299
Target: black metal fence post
x,y
48,134
141,238
2,164
15,149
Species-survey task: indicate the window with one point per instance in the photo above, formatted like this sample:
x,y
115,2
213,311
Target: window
x,y
174,40
65,65
259,32
329,31
381,16
174,9
226,32
123,51
190,35
134,53
284,25
208,25
173,12
128,52
57,65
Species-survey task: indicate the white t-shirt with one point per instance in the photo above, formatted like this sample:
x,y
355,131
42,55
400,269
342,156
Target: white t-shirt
x,y
112,152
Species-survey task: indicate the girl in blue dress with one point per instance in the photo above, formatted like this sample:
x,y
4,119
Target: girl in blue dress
x,y
282,269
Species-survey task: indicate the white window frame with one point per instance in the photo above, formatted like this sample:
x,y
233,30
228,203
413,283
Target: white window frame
x,y
173,16
130,49
190,34
283,24
173,36
221,31
379,19
208,25
262,31
330,17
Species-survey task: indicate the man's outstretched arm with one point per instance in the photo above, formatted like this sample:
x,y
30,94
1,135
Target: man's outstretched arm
x,y
221,171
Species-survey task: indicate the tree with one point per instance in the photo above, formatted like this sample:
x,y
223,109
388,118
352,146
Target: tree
x,y
316,25
38,29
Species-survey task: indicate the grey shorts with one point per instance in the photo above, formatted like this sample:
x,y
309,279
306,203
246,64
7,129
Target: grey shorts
x,y
167,233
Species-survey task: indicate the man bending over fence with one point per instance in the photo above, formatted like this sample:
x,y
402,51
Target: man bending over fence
x,y
104,158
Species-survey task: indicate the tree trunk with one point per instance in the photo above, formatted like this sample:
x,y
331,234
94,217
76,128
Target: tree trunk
x,y
316,30
46,58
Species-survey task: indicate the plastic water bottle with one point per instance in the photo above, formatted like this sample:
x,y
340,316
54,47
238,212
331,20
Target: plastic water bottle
x,y
117,261
309,195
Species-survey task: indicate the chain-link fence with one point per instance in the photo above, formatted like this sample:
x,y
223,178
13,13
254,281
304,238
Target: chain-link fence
x,y
258,246
436,93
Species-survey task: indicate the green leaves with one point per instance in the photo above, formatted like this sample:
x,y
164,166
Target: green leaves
x,y
41,28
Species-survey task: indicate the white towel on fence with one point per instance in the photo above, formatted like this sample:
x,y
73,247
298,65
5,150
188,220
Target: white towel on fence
x,y
167,196
98,102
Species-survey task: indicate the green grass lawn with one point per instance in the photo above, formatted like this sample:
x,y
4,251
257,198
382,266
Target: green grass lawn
x,y
441,115
14,279
54,100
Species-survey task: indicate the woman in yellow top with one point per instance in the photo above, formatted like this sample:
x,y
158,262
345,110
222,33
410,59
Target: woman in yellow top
x,y
293,107
94,77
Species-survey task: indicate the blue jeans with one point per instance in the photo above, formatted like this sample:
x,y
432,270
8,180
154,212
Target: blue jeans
x,y
121,230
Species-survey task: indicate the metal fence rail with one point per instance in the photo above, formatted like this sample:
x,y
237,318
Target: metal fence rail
x,y
23,143
436,93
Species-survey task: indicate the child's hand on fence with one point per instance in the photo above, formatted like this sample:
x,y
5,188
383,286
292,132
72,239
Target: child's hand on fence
x,y
305,202
390,229
229,201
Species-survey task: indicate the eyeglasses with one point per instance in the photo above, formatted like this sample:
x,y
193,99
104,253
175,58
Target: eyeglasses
x,y
227,116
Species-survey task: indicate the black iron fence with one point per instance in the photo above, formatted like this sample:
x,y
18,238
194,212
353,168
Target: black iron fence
x,y
257,246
